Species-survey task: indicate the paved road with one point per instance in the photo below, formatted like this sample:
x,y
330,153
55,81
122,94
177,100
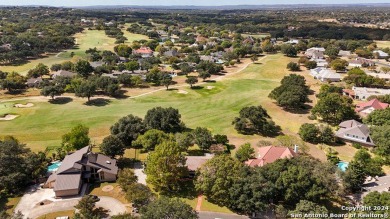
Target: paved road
x,y
213,215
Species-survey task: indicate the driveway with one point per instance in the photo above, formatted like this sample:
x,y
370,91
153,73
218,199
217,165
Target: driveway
x,y
139,172
381,185
213,215
30,208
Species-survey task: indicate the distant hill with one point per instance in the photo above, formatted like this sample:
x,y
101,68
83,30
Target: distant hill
x,y
222,7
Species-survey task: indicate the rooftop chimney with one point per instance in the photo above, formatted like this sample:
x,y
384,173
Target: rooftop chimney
x,y
296,148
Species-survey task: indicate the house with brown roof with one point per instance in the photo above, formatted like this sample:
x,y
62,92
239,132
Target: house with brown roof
x,y
79,167
144,52
63,73
270,154
356,132
366,108
193,163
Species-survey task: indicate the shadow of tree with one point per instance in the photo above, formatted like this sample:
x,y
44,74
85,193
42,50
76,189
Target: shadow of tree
x,y
197,87
61,100
125,162
98,102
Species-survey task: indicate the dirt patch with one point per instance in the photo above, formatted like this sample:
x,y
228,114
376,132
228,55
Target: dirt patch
x,y
108,188
210,87
28,105
8,117
182,92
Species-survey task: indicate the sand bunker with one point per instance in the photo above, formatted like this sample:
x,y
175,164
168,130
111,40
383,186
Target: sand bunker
x,y
182,92
8,117
210,87
28,105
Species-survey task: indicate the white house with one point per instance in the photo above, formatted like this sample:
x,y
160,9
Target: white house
x,y
325,75
320,62
315,53
362,93
381,54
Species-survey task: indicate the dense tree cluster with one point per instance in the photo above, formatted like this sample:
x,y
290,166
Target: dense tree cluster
x,y
255,120
227,182
334,108
316,134
19,166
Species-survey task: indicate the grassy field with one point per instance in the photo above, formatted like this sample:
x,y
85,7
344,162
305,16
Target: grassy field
x,y
85,40
383,44
45,123
9,204
260,35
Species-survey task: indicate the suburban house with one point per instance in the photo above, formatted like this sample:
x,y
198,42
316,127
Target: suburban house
x,y
34,82
325,75
320,62
144,52
366,108
344,53
360,62
270,154
292,41
200,38
63,73
96,64
383,76
79,167
193,163
315,53
171,53
381,54
354,131
362,93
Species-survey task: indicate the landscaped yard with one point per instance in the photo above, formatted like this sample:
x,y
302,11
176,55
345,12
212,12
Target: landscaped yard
x,y
54,215
116,193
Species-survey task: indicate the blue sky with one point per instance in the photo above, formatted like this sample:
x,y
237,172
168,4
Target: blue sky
x,y
178,2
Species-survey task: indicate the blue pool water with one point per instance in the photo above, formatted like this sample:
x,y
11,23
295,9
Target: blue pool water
x,y
342,165
54,166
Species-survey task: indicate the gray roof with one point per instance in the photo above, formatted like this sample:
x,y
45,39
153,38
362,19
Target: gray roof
x,y
67,181
195,162
350,128
63,73
71,159
349,124
34,80
104,163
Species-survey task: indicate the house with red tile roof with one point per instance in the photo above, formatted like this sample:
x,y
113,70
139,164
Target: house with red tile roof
x,y
144,52
366,108
270,154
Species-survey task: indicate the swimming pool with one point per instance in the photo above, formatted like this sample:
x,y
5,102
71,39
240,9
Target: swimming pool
x,y
54,166
342,165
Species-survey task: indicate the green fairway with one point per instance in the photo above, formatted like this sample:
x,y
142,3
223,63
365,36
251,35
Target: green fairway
x,y
45,123
85,40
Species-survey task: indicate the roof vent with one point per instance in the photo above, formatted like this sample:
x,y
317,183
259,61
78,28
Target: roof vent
x,y
108,162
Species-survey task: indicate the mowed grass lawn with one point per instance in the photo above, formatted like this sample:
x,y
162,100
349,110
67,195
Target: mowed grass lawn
x,y
85,40
45,123
382,44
